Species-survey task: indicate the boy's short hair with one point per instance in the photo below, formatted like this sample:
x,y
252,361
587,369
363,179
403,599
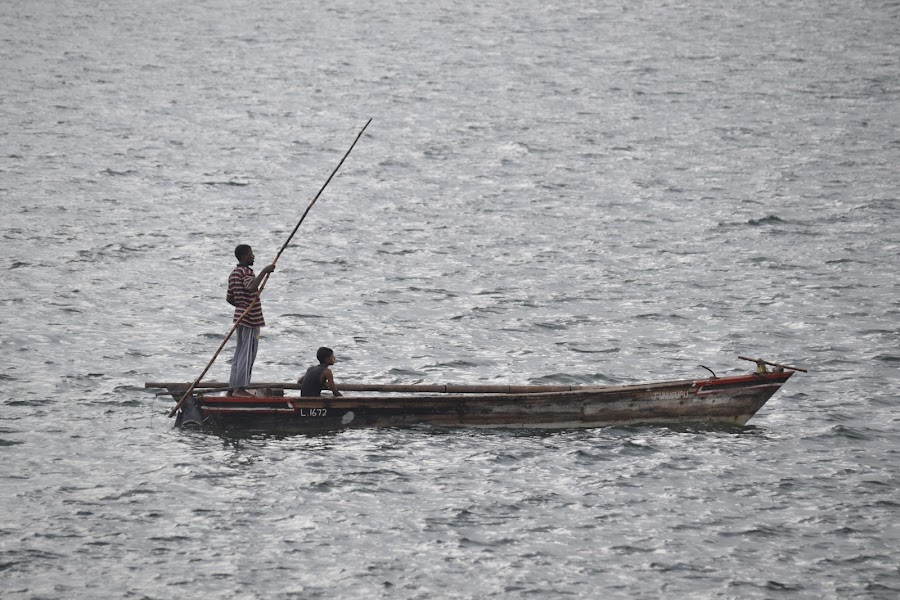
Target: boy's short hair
x,y
241,251
323,353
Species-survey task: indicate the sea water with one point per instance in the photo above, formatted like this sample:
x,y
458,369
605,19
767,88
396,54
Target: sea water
x,y
570,192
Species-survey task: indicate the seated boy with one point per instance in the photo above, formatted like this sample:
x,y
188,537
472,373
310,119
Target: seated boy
x,y
319,376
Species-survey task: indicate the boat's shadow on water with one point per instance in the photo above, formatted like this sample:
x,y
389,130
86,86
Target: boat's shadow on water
x,y
237,437
701,428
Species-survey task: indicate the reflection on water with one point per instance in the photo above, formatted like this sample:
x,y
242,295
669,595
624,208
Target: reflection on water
x,y
574,193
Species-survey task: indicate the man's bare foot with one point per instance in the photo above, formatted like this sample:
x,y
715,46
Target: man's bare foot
x,y
241,392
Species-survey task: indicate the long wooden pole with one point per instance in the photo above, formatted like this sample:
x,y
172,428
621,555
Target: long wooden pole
x,y
259,291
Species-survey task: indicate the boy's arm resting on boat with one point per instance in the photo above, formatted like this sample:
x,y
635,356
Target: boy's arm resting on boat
x,y
329,381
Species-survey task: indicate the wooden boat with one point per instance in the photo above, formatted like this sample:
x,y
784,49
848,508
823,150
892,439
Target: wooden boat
x,y
730,400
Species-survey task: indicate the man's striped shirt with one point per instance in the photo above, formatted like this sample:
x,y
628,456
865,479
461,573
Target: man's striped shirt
x,y
238,281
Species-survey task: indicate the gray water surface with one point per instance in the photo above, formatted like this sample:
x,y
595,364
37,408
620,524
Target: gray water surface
x,y
548,193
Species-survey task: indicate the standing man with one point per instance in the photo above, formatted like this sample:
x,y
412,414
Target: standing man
x,y
242,287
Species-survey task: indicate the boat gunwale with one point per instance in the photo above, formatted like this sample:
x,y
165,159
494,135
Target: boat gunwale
x,y
586,393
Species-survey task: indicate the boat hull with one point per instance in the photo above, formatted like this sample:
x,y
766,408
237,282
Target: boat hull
x,y
719,401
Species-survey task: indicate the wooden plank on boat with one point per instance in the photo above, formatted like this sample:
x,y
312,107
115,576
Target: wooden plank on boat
x,y
387,387
760,361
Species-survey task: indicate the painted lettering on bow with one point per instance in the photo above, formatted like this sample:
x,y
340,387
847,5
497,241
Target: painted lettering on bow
x,y
313,412
675,395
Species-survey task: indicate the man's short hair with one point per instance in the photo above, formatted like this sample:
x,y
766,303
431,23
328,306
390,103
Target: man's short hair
x,y
241,251
323,353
